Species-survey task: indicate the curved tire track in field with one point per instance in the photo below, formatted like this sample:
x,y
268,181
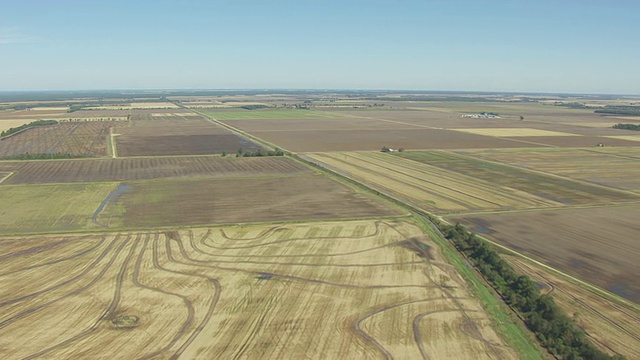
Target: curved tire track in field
x,y
207,263
196,247
448,295
109,312
135,278
315,238
74,256
355,326
269,231
38,248
66,282
213,281
417,335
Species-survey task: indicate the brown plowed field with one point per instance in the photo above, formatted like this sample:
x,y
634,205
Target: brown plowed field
x,y
347,290
597,244
58,171
355,140
202,201
77,138
176,135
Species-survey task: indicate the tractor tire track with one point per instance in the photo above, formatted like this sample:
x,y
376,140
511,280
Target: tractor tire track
x,y
214,300
66,282
108,313
83,252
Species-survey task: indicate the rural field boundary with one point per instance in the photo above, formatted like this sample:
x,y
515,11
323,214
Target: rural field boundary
x,y
234,130
5,176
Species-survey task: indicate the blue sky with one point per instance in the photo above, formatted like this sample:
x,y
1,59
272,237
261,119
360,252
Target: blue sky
x,y
531,46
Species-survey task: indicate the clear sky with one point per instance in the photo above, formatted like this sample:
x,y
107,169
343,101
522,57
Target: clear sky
x,y
584,46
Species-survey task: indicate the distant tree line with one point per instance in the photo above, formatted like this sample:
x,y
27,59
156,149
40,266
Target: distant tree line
x,y
571,105
619,110
43,156
258,153
635,127
26,126
254,107
555,330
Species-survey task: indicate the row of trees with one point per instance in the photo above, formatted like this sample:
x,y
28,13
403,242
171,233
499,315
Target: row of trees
x,y
555,330
627,126
257,153
619,110
26,126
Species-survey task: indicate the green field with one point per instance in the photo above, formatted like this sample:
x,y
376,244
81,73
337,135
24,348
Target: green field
x,y
267,114
47,208
549,187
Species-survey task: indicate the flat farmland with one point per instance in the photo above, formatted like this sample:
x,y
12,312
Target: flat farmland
x,y
455,184
123,169
201,201
598,244
176,135
359,289
268,114
77,138
611,167
359,140
50,207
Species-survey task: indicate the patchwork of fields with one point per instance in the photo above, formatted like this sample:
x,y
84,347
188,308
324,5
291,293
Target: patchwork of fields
x,y
360,289
169,250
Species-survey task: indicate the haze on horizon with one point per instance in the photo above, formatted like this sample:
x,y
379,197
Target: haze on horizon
x,y
517,46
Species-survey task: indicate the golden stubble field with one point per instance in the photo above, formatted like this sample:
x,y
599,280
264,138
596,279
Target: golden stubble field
x,y
359,289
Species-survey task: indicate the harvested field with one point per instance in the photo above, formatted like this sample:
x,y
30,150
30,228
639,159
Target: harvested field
x,y
268,114
456,184
509,178
240,292
611,167
202,201
79,139
626,137
514,132
50,208
598,244
131,106
576,141
177,135
89,170
611,324
358,140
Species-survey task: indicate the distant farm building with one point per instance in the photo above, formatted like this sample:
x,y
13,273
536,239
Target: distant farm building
x,y
483,115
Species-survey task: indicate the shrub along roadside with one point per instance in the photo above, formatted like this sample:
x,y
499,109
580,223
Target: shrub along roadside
x,y
555,330
26,126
